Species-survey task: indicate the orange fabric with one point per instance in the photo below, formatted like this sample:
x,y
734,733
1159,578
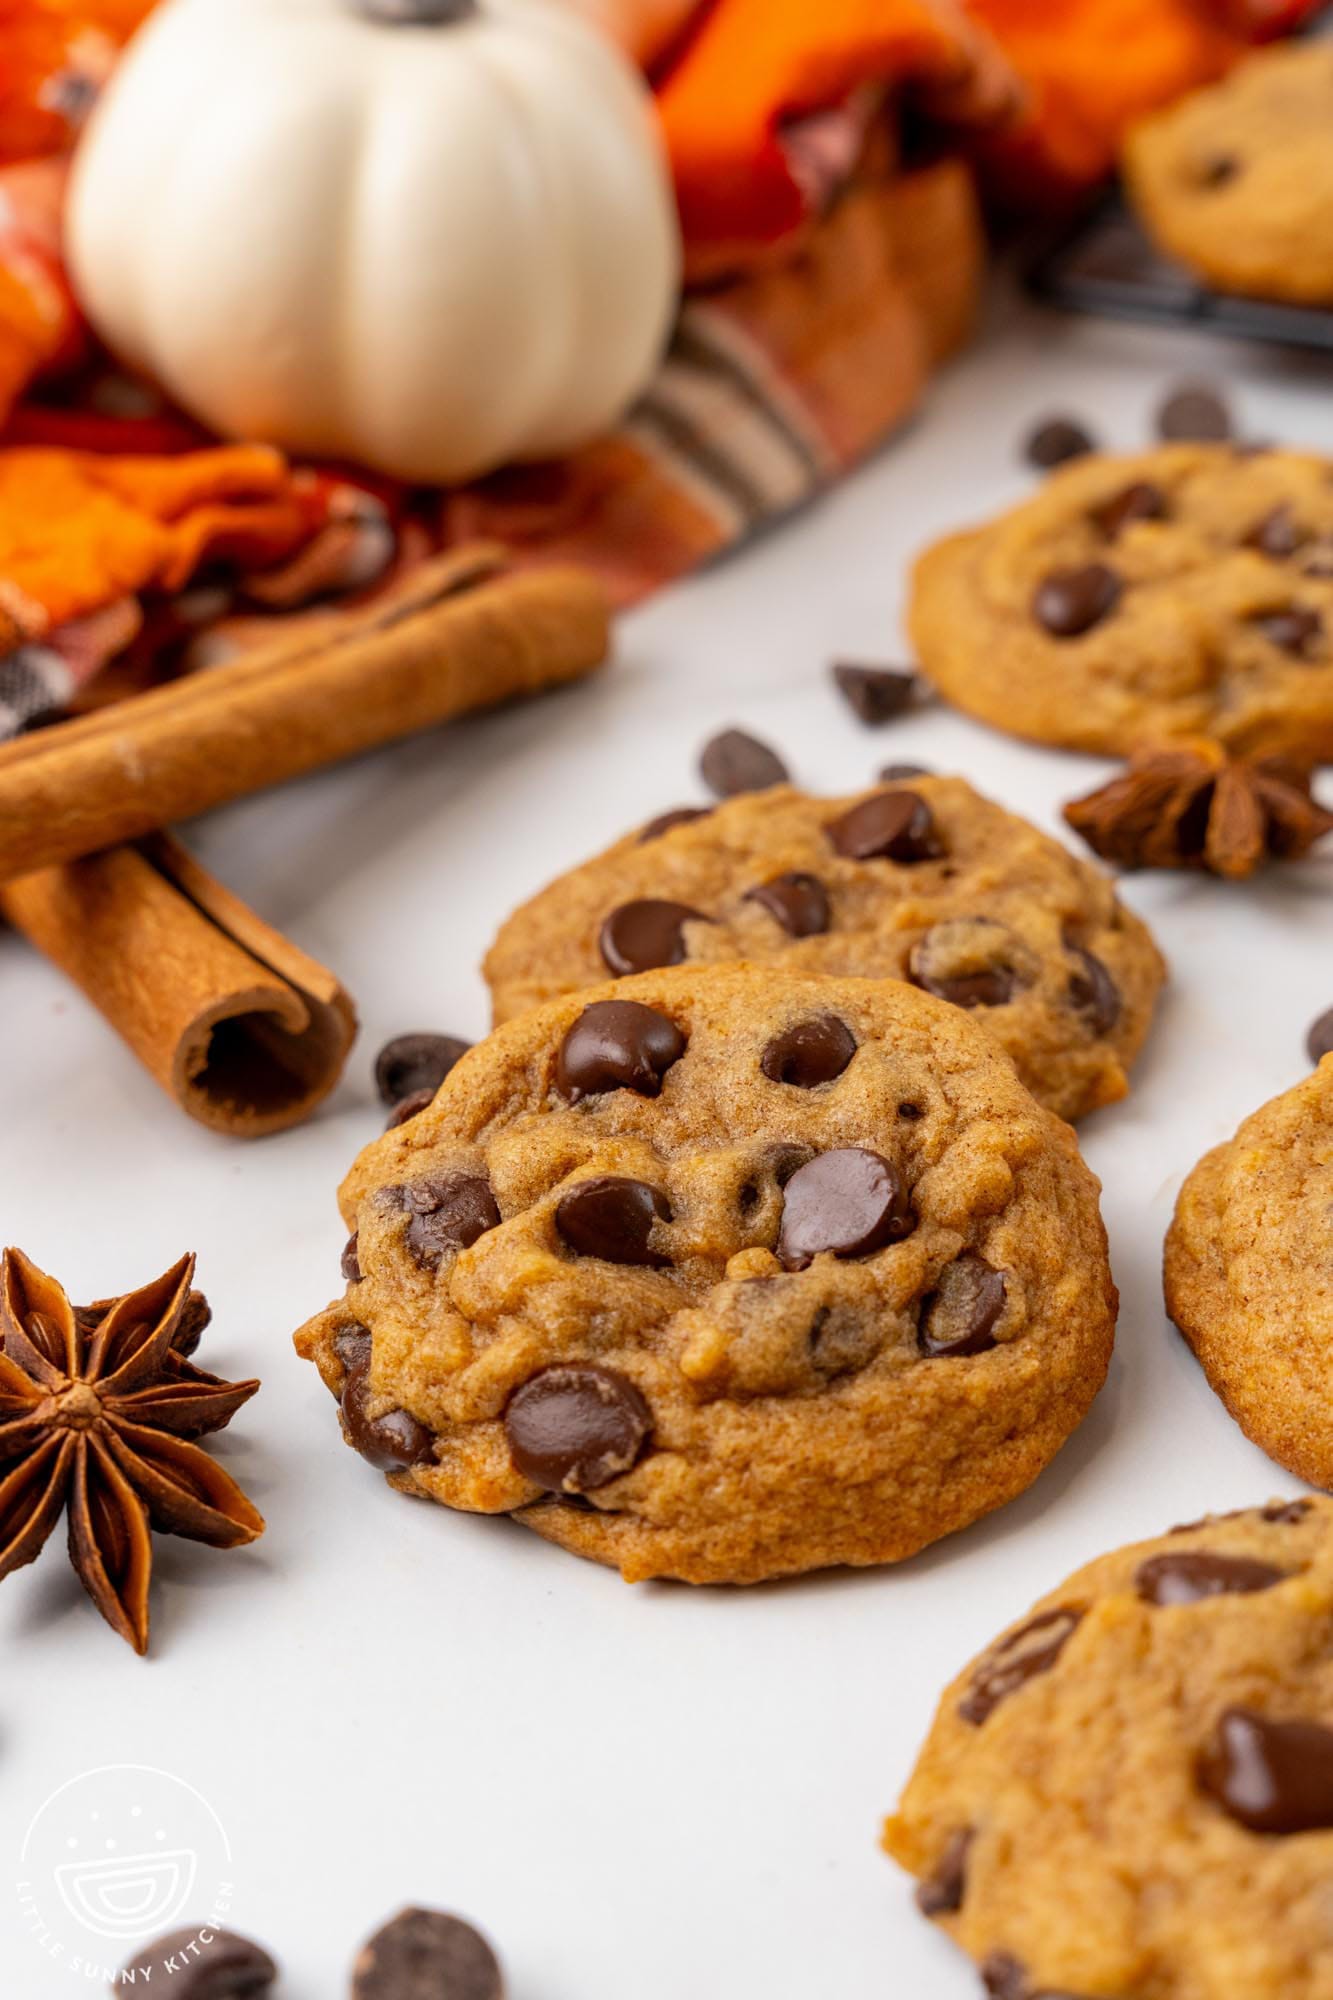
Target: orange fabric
x,y
52,54
38,320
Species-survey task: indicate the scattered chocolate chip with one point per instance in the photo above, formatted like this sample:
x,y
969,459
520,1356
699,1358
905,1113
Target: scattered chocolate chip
x,y
1195,413
1093,991
390,1442
1055,441
1278,535
351,1344
1195,1574
809,1053
202,1964
425,1955
941,1892
850,1202
895,774
1140,501
612,1218
575,1426
1285,1512
888,826
678,816
351,1263
640,936
961,1314
1272,1776
1032,1650
1069,602
410,1064
969,961
734,762
617,1045
1296,629
799,902
876,695
1217,170
448,1213
409,1108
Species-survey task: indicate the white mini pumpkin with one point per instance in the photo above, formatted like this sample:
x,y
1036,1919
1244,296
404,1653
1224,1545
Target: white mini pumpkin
x,y
429,235
643,28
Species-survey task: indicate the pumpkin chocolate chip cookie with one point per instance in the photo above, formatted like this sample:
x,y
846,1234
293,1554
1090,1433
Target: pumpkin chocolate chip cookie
x,y
723,1274
1237,180
927,882
1183,591
1249,1274
1130,1795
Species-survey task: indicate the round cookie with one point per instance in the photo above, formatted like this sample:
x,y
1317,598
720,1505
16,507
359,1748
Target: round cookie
x,y
1249,1275
1184,591
1130,1795
1237,180
723,1274
928,882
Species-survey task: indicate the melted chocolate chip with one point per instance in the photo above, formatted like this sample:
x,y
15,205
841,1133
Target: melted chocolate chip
x,y
226,1967
351,1262
850,1202
876,695
1140,501
390,1442
411,1107
1278,535
640,936
1195,1574
1055,442
351,1344
961,1314
575,1426
968,961
1195,413
613,1218
1297,629
448,1215
941,1893
1069,602
410,1064
425,1955
799,902
1032,1650
1093,991
1272,1776
678,816
809,1053
888,826
617,1045
735,762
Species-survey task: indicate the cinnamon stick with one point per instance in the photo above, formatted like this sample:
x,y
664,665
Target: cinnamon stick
x,y
236,1023
460,634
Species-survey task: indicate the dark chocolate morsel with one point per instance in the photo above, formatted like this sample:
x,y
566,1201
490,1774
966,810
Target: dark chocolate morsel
x,y
1069,602
409,1108
1195,1574
1032,1650
940,1894
809,1053
390,1442
412,1063
969,961
425,1955
646,934
449,1212
1006,1978
351,1262
876,695
617,1045
1139,501
1194,412
575,1426
850,1202
1055,441
613,1218
1093,991
1272,1776
889,826
1285,1512
351,1344
221,1966
961,1314
735,762
1296,629
1279,534
678,816
799,903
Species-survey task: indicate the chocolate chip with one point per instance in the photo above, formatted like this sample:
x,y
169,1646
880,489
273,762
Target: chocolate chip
x,y
888,826
1278,534
960,1315
1319,1040
894,774
1140,501
1093,991
449,1213
351,1262
1272,1776
1198,1573
1032,1650
575,1426
1006,1978
613,1218
1055,441
734,762
799,902
225,1967
410,1064
425,1955
617,1045
876,695
640,936
809,1053
390,1442
1194,412
410,1107
850,1202
969,961
678,816
1069,602
1295,629
351,1344
1287,1512
941,1893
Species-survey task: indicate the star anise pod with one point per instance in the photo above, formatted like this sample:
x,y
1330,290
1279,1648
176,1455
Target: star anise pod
x,y
1193,806
96,1410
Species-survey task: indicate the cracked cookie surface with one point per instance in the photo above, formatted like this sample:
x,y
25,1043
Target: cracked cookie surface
x,y
1184,591
970,903
723,1274
1130,1795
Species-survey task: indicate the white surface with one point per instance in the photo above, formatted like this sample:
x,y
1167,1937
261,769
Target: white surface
x,y
641,1792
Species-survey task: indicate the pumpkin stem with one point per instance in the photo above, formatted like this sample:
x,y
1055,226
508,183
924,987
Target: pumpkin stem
x,y
418,13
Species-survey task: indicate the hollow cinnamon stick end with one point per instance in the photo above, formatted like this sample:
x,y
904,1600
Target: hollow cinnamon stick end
x,y
263,1061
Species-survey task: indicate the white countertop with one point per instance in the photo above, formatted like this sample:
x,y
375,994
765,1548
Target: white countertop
x,y
648,1792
